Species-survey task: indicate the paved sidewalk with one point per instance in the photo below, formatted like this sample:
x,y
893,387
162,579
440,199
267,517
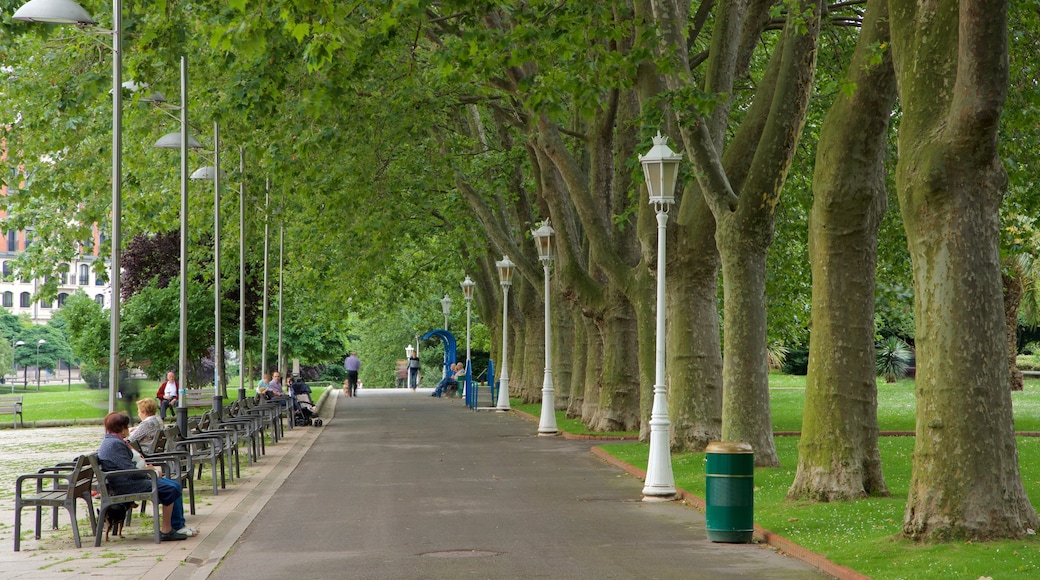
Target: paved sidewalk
x,y
221,518
396,484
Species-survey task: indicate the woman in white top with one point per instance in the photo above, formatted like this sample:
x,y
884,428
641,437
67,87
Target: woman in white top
x,y
169,394
149,426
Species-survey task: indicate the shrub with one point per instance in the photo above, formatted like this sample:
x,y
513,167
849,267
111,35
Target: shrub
x,y
796,362
893,359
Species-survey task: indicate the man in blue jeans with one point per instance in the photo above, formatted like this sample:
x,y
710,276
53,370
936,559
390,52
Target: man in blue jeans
x,y
114,454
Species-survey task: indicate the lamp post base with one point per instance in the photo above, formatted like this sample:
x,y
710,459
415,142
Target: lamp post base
x,y
659,498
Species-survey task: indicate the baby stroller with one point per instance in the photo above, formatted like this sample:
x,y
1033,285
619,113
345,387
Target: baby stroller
x,y
305,412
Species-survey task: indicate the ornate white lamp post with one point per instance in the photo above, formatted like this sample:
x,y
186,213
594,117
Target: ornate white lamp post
x,y
39,343
68,12
446,309
505,275
467,293
661,169
547,424
408,351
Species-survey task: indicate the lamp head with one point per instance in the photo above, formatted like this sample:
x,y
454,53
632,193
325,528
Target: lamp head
x,y
409,350
543,240
446,305
173,141
661,170
207,173
54,12
467,288
505,270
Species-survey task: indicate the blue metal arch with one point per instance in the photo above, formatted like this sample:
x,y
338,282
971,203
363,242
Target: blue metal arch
x,y
449,345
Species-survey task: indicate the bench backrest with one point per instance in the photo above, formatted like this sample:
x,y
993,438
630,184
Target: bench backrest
x,y
11,402
198,397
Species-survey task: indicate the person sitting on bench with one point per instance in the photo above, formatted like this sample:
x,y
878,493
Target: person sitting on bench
x,y
450,379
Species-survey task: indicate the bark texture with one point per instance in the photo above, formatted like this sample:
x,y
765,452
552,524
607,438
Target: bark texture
x,y
838,456
951,64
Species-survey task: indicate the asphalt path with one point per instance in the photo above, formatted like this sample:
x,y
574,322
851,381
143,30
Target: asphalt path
x,y
403,485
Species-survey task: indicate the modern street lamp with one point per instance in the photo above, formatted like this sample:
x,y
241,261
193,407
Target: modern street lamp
x,y
183,141
446,309
241,273
547,424
39,343
505,276
212,173
467,293
661,170
16,345
267,254
68,12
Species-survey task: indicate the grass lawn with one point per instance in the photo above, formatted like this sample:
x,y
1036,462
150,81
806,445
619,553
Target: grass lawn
x,y
864,535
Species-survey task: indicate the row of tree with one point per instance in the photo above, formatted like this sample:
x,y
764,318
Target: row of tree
x,y
413,140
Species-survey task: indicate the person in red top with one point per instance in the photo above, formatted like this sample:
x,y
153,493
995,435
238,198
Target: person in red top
x,y
167,394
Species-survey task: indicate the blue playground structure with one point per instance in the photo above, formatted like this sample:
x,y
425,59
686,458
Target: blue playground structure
x,y
450,358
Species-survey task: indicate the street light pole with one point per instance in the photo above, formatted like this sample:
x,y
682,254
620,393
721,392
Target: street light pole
x,y
267,253
547,422
467,293
68,12
212,173
241,274
505,275
660,167
16,345
38,345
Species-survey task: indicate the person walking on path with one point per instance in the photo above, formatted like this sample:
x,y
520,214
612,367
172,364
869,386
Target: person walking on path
x,y
413,371
352,365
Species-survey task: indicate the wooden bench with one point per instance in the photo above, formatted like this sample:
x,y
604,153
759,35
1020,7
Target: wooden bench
x,y
12,405
196,398
59,486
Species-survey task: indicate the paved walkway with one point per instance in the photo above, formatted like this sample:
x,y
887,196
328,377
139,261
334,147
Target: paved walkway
x,y
400,485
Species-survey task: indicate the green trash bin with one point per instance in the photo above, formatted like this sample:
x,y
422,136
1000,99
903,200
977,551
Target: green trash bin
x,y
730,492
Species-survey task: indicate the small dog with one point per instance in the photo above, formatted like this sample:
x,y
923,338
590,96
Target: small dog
x,y
115,517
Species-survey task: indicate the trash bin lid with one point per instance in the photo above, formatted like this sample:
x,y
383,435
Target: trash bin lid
x,y
728,447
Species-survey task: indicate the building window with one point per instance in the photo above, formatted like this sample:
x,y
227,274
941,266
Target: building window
x,y
8,299
12,240
64,269
28,238
62,298
98,281
24,300
45,304
7,268
84,275
100,299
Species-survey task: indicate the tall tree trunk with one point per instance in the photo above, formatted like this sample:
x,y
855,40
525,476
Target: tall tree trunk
x,y
1012,284
618,408
951,64
838,456
578,363
561,345
694,349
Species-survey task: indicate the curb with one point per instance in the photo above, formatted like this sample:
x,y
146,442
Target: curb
x,y
763,535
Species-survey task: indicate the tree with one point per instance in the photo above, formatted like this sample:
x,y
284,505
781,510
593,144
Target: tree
x,y
838,455
966,481
87,328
